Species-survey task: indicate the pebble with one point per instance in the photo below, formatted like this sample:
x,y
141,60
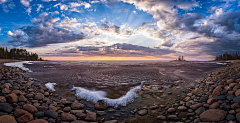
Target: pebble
x,y
170,110
30,108
182,108
68,117
161,117
101,113
91,116
81,115
172,117
196,106
142,112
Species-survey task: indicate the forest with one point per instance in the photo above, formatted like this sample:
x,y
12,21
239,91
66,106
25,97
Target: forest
x,y
226,56
18,54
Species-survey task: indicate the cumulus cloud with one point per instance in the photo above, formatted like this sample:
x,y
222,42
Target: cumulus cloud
x,y
26,3
73,6
43,32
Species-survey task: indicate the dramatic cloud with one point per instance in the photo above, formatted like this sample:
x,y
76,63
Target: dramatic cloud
x,y
135,27
121,50
43,32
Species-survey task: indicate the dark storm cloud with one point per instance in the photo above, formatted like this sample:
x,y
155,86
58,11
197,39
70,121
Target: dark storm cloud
x,y
126,50
80,48
230,21
43,32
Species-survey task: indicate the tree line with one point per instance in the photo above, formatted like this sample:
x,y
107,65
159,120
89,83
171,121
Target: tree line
x,y
226,56
19,54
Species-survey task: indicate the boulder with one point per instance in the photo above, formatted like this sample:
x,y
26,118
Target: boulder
x,y
12,98
91,116
22,98
30,108
18,112
39,96
7,119
100,106
213,115
3,99
81,115
25,118
38,121
5,107
77,106
68,117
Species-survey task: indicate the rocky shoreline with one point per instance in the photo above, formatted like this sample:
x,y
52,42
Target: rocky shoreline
x,y
23,99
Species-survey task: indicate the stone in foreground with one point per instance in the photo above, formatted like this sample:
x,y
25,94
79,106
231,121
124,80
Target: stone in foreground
x,y
213,115
7,119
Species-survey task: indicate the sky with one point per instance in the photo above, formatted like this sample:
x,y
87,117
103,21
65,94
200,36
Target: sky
x,y
121,29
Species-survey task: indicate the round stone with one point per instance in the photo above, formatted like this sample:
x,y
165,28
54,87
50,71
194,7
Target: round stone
x,y
213,115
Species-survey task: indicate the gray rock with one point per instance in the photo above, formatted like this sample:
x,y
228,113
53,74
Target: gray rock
x,y
51,114
203,99
39,114
230,117
225,107
230,97
5,107
221,97
3,113
200,110
236,99
238,117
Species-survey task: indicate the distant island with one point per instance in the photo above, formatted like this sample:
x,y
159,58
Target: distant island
x,y
226,56
18,54
180,59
